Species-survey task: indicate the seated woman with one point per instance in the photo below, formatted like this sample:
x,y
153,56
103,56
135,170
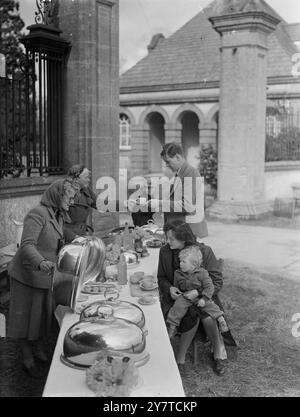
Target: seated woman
x,y
31,273
179,236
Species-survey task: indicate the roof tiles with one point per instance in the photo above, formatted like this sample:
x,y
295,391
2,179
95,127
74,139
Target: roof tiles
x,y
191,54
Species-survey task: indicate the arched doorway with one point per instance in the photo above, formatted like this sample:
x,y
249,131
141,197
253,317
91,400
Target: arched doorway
x,y
156,124
190,137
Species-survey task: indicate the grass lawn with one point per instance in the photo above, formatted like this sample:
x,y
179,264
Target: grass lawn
x,y
259,308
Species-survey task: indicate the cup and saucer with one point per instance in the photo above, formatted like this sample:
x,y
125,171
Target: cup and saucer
x,y
147,300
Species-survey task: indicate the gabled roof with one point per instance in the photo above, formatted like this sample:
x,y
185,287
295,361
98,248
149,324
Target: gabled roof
x,y
293,29
191,54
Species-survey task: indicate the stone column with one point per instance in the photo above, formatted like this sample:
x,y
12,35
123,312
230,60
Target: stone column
x,y
92,90
241,150
140,149
173,133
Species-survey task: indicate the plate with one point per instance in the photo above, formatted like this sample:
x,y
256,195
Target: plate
x,y
154,244
140,301
97,288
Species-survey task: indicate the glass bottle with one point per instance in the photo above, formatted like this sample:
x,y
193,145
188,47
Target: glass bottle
x,y
122,270
128,242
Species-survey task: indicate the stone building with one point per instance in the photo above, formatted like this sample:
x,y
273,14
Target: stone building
x,y
174,93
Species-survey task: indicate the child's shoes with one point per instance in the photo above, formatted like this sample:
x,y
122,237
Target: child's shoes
x,y
222,325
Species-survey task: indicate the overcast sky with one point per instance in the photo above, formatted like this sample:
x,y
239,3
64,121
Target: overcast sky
x,y
140,19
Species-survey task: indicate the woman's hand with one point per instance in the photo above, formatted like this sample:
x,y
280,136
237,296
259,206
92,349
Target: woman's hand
x,y
191,295
201,302
175,293
47,267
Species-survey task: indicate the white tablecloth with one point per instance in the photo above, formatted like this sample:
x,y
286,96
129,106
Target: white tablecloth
x,y
159,376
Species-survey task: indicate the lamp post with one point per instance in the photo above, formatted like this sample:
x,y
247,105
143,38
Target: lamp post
x,y
47,12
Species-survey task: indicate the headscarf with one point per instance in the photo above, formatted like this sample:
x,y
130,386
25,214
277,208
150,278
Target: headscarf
x,y
52,197
75,171
89,196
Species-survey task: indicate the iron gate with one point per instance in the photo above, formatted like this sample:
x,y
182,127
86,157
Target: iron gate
x,y
31,106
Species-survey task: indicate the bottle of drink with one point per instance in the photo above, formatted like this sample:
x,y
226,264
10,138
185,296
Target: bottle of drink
x,y
128,242
122,270
119,240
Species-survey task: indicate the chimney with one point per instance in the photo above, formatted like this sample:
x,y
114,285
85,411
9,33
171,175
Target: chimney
x,y
155,41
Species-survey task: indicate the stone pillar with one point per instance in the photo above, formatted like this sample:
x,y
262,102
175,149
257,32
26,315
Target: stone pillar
x,y
92,91
173,133
241,150
140,149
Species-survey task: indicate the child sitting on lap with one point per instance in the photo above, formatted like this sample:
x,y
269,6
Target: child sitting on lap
x,y
191,276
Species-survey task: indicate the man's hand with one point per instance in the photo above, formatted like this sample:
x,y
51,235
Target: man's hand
x,y
191,295
47,267
154,204
175,293
131,204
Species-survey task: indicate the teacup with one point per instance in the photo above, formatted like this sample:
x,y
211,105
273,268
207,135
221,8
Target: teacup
x,y
147,284
136,277
147,299
149,278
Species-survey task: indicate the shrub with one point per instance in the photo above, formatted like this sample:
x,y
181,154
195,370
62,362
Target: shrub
x,y
209,166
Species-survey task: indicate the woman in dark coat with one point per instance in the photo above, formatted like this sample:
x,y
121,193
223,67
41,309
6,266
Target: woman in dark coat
x,y
85,200
31,272
179,235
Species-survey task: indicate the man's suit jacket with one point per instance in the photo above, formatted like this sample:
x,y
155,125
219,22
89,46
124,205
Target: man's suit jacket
x,y
183,202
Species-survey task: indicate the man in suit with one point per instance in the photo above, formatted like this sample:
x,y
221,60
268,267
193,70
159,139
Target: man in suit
x,y
186,198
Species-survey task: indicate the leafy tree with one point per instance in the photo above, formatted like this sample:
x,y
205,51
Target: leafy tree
x,y
11,26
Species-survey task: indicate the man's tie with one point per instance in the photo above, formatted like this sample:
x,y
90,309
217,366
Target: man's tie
x,y
173,184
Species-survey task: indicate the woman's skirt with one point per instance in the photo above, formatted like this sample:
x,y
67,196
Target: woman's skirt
x,y
30,312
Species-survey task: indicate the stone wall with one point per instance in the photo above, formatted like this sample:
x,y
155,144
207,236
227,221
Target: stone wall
x,y
280,177
14,209
17,197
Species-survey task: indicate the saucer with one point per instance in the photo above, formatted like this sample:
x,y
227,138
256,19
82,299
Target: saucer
x,y
143,303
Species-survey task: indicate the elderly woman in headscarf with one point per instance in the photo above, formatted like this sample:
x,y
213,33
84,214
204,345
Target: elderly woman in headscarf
x,y
84,201
31,272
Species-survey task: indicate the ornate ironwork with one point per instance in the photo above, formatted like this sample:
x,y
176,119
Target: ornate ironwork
x,y
47,13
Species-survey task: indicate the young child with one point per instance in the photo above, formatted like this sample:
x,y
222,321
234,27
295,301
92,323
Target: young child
x,y
191,276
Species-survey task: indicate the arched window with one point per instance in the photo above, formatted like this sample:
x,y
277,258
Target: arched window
x,y
125,137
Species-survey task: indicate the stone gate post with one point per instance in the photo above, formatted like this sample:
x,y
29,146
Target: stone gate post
x,y
92,90
241,151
